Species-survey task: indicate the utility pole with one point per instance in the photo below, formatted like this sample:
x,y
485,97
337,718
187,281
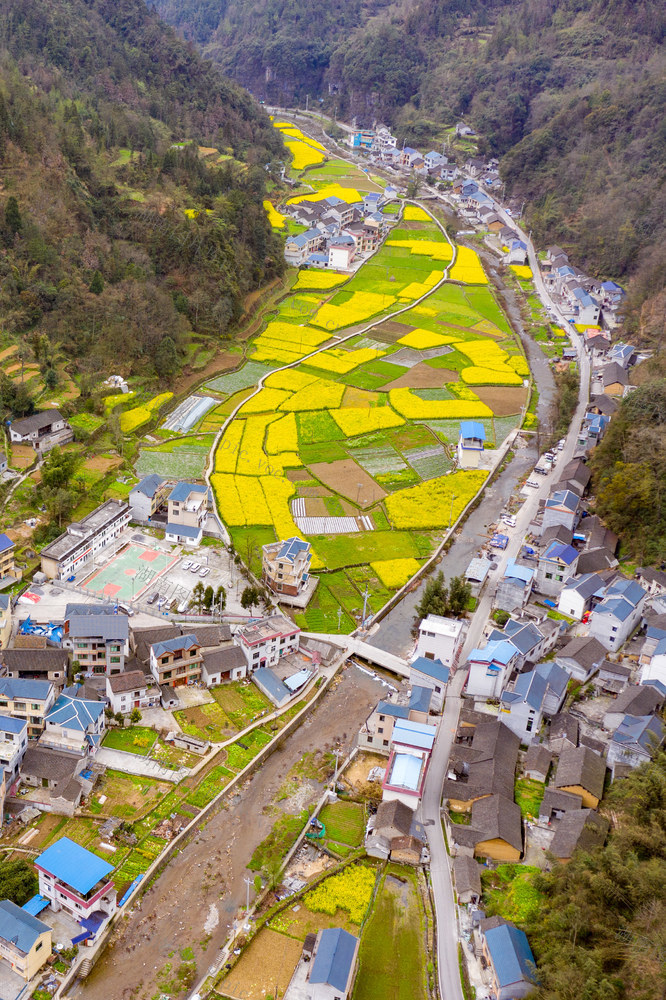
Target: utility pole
x,y
339,618
248,883
365,605
307,102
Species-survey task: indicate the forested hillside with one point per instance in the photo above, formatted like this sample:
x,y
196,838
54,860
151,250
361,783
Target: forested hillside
x,y
571,93
601,933
132,180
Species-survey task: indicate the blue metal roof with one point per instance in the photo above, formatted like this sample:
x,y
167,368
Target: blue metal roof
x,y
73,865
432,668
557,550
149,485
181,491
500,650
75,713
19,927
291,548
395,711
15,687
472,429
415,734
171,645
628,589
10,725
334,958
640,729
271,684
616,607
531,688
5,542
556,677
405,771
514,571
185,530
420,699
35,905
510,954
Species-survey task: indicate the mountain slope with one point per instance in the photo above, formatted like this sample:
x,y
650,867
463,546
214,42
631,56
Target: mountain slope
x,y
570,93
133,176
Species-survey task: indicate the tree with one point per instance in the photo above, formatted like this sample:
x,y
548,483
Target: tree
x,y
208,597
460,593
135,716
249,598
435,600
97,284
198,596
221,598
166,358
119,718
50,378
18,881
13,219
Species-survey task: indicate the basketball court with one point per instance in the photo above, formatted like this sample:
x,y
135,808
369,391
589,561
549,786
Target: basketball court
x,y
129,573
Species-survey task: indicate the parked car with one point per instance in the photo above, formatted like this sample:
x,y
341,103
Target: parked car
x,y
182,607
126,609
153,597
186,564
560,444
509,519
194,567
533,484
205,571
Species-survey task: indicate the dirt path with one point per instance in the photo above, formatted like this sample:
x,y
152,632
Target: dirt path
x,y
194,902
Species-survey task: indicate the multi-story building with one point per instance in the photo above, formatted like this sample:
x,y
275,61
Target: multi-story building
x,y
147,496
13,745
77,547
74,725
285,566
128,691
176,661
36,664
265,641
100,643
25,941
7,568
187,513
615,617
5,620
27,700
42,430
433,675
440,639
77,881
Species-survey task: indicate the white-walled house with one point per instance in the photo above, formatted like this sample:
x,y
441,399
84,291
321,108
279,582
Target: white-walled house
x,y
489,668
614,619
431,674
470,444
441,639
578,593
581,657
655,670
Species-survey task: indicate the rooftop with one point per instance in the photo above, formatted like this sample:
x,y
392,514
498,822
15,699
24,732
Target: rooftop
x,y
74,713
99,626
405,772
36,422
131,680
149,485
15,687
182,491
73,865
18,927
581,766
334,958
431,668
510,954
174,645
415,734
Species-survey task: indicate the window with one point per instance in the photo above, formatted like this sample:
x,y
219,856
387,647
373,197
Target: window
x,y
165,659
382,718
549,576
430,656
35,708
528,727
114,659
369,739
380,729
385,743
38,946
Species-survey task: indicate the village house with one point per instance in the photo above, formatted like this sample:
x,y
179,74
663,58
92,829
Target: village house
x,y
48,664
635,741
489,668
43,431
582,829
510,960
77,881
432,675
534,694
84,540
581,657
394,832
615,379
341,252
333,968
266,641
99,642
515,587
176,662
562,733
634,699
222,664
128,691
537,762
440,639
554,566
285,566
495,830
482,762
5,620
377,731
27,700
470,444
146,498
654,664
411,747
25,941
611,678
579,593
614,618
187,506
561,508
467,878
13,745
7,567
74,725
652,580
531,641
298,248
581,772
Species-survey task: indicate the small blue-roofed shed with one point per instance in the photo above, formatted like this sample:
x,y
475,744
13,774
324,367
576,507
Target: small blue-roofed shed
x,y
470,443
334,964
270,684
73,865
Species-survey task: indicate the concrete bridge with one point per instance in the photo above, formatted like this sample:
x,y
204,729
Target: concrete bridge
x,y
364,651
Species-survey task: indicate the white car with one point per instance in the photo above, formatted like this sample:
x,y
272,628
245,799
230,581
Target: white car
x,y
186,564
194,567
205,571
509,519
533,484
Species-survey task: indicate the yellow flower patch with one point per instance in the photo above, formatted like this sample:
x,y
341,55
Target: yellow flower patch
x,y
285,460
421,339
229,503
275,218
303,155
519,364
490,376
415,408
132,419
468,268
351,890
266,352
425,248
433,278
361,306
522,270
349,195
265,401
320,395
252,461
341,362
415,290
282,435
431,504
320,279
413,213
226,454
363,420
291,379
485,353
394,573
422,310
288,128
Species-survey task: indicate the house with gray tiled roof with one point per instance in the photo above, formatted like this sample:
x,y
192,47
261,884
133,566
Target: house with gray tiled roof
x,y
635,741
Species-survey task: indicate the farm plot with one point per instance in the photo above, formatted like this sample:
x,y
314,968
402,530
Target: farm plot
x,y
184,460
189,412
